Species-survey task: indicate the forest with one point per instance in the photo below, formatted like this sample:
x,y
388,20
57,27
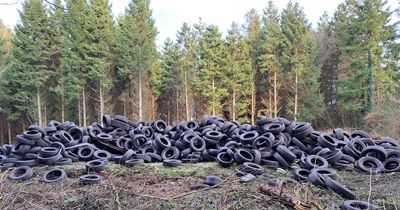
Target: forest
x,y
72,60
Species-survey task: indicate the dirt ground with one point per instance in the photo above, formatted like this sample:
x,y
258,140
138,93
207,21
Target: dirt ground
x,y
153,186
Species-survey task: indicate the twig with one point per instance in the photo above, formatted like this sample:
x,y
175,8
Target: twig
x,y
197,191
58,6
370,187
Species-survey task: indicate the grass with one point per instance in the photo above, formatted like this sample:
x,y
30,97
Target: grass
x,y
153,186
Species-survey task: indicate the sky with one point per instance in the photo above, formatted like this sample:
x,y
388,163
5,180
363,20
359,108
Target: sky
x,y
169,15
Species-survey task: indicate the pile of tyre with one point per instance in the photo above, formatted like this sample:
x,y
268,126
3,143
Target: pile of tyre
x,y
270,142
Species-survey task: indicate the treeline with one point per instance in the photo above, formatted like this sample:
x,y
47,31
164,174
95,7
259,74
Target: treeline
x,y
71,61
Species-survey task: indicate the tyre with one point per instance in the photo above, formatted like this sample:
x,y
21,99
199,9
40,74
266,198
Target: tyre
x,y
54,175
21,173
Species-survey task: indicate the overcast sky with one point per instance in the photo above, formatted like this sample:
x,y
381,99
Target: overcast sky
x,y
170,14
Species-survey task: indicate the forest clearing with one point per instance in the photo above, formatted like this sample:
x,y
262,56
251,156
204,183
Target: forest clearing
x,y
274,113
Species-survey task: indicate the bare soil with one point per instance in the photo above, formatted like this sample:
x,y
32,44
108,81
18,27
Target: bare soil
x,y
153,186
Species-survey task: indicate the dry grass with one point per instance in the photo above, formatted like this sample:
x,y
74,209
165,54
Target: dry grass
x,y
155,187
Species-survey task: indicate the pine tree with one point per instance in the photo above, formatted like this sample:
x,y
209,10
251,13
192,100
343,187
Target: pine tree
x,y
28,71
74,61
238,75
211,70
169,100
136,53
295,55
55,101
253,28
100,54
187,58
268,59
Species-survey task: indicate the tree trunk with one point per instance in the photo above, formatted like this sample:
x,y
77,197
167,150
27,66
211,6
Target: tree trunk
x,y
233,105
177,106
275,97
253,103
169,112
270,102
101,98
9,132
295,96
84,107
186,98
213,95
79,113
62,108
44,114
124,108
140,98
39,107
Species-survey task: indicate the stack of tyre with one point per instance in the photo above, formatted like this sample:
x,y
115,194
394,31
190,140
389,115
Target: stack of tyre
x,y
271,142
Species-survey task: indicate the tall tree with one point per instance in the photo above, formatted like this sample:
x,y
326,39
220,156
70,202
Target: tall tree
x,y
75,58
101,40
56,94
253,28
211,69
187,58
28,70
136,52
296,53
238,69
169,100
268,58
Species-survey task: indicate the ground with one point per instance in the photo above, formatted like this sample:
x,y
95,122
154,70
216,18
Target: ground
x,y
153,186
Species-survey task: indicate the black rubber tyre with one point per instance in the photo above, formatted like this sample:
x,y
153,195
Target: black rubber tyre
x,y
54,175
314,161
301,174
91,179
199,187
197,144
252,168
374,151
134,162
30,163
358,205
106,120
369,165
317,179
327,141
248,138
162,142
391,165
325,172
20,149
85,153
212,180
224,159
21,173
20,138
96,165
263,143
338,132
121,118
49,151
301,130
274,127
170,153
339,188
154,157
104,137
128,154
102,154
171,162
286,154
32,134
282,162
242,155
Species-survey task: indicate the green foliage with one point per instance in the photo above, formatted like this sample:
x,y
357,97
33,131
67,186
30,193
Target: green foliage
x,y
238,77
28,70
212,69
